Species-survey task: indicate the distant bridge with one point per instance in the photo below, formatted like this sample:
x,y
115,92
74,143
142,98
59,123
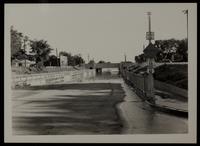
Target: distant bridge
x,y
102,65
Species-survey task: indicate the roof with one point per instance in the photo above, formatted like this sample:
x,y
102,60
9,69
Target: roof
x,y
150,51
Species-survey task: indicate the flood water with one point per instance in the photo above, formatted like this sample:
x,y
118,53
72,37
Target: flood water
x,y
101,105
140,118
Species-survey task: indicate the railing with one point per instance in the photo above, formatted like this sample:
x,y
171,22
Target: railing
x,y
140,84
137,81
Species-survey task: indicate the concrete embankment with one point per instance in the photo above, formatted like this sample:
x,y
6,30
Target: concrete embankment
x,y
52,78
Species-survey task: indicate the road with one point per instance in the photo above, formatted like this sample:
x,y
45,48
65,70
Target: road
x,y
106,106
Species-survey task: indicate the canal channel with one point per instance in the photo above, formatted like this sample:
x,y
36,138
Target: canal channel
x,y
86,108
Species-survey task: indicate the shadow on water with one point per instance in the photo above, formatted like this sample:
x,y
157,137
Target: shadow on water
x,y
76,86
81,114
90,108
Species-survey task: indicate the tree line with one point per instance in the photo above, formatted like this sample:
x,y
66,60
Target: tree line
x,y
39,51
171,50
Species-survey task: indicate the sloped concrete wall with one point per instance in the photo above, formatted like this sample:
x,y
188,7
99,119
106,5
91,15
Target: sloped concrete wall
x,y
52,78
170,88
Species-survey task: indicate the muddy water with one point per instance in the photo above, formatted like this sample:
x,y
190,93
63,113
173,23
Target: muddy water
x,y
140,118
35,110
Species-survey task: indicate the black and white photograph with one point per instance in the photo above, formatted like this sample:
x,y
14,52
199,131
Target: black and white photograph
x,y
100,72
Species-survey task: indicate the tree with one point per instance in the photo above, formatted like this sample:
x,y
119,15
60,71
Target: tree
x,y
16,44
183,49
73,60
91,62
172,50
41,50
52,61
140,58
101,61
78,60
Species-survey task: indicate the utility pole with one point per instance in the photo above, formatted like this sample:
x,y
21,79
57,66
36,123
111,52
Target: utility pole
x,y
88,58
57,56
186,12
150,52
149,18
125,58
25,40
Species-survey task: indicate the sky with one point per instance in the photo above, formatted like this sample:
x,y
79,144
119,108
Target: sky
x,y
101,31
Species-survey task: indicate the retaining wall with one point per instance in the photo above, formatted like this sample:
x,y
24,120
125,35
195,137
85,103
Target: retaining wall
x,y
52,78
140,83
170,88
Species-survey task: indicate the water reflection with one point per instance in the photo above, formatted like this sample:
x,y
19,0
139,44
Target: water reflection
x,y
74,105
139,117
142,118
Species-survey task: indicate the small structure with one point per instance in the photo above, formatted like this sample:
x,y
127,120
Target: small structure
x,y
63,61
23,63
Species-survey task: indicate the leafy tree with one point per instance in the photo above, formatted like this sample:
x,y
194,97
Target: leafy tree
x,y
72,60
52,61
173,50
41,50
182,49
16,44
101,61
91,62
140,58
78,60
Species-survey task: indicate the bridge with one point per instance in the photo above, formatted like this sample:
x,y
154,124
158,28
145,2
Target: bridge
x,y
100,66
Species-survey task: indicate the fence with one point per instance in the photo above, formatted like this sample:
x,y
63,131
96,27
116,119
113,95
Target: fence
x,y
52,78
137,81
140,84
